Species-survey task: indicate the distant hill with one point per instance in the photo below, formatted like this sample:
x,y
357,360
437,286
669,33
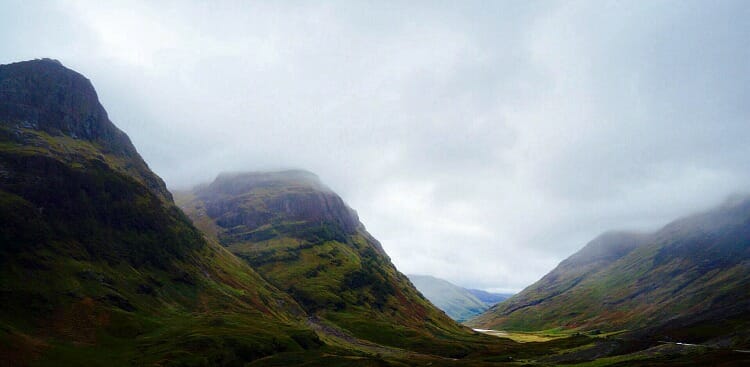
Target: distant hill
x,y
689,281
457,302
488,298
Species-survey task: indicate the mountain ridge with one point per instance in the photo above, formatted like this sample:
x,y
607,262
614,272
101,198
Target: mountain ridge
x,y
489,298
665,284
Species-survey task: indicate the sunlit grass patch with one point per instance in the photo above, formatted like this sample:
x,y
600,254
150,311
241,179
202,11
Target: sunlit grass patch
x,y
527,337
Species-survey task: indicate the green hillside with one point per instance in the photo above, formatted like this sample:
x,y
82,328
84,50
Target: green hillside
x,y
455,301
97,265
305,240
688,282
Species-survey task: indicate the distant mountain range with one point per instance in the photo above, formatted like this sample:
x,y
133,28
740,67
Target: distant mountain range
x,y
459,303
688,281
489,298
456,302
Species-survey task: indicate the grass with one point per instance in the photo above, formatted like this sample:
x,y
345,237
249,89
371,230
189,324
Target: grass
x,y
526,337
642,290
98,269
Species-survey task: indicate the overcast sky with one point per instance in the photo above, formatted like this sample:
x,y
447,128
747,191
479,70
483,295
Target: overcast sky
x,y
481,142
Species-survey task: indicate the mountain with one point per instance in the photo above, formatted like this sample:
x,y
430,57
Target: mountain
x,y
688,282
97,265
455,301
303,238
488,298
459,303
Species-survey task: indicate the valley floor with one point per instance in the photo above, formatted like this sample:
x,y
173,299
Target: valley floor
x,y
511,349
555,347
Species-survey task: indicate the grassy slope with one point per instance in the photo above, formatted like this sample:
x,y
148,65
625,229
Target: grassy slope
x,y
97,269
457,302
340,274
686,282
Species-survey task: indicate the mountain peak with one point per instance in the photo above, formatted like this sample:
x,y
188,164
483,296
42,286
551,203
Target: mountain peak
x,y
42,100
238,182
292,195
45,95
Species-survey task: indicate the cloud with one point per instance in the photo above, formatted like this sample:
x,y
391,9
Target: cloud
x,y
480,142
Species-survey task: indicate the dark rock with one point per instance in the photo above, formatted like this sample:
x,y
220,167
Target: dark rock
x,y
46,96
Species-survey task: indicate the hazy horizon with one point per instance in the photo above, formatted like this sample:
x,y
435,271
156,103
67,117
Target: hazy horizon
x,y
481,143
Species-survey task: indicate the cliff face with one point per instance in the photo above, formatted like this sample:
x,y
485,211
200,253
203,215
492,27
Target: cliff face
x,y
290,196
44,96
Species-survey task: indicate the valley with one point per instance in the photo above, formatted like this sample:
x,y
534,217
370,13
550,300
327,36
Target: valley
x,y
101,265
